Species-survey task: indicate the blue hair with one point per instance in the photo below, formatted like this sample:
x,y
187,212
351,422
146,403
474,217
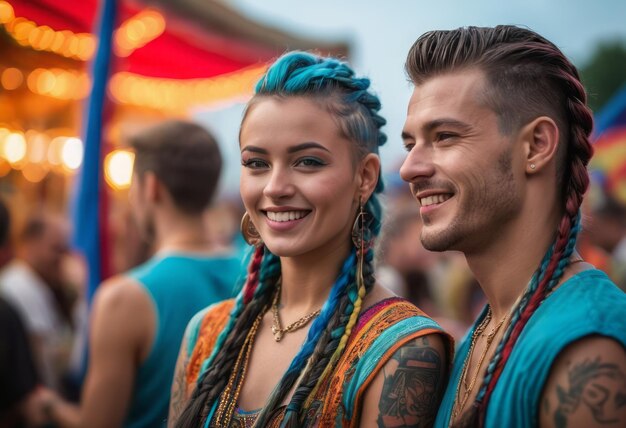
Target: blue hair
x,y
346,97
333,83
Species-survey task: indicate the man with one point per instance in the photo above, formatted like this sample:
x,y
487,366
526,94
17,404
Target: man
x,y
18,375
138,318
497,133
33,283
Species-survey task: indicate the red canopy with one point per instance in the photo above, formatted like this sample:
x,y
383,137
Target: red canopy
x,y
177,53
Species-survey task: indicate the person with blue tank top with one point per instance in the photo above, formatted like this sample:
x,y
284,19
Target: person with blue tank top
x,y
138,318
497,134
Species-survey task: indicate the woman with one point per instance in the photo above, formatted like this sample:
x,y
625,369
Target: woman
x,y
312,339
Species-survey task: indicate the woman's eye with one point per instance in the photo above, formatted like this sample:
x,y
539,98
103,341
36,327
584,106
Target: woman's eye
x,y
254,163
408,147
309,162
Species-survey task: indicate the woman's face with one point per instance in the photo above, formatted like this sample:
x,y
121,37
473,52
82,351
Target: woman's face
x,y
300,182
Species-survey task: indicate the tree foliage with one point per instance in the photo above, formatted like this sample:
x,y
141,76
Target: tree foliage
x,y
605,72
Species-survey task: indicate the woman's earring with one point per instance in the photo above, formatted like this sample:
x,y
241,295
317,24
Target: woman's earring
x,y
362,239
361,233
249,232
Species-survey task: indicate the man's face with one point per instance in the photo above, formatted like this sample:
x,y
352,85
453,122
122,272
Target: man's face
x,y
460,167
49,250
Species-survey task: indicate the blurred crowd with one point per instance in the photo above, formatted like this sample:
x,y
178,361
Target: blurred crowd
x,y
43,313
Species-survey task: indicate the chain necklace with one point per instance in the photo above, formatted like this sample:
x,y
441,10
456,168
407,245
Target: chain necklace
x,y
230,395
277,328
461,402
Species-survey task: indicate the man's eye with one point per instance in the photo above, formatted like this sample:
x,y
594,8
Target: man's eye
x,y
408,147
441,136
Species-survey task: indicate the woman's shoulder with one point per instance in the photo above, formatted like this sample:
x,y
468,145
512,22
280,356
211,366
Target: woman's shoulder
x,y
202,333
209,321
384,306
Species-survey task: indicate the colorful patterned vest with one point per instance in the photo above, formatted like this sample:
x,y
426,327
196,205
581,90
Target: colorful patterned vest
x,y
380,331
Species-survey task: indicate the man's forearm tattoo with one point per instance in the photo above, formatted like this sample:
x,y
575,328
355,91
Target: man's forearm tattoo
x,y
599,386
411,394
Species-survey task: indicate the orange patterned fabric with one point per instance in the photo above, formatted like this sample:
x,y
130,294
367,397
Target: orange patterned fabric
x,y
326,409
212,324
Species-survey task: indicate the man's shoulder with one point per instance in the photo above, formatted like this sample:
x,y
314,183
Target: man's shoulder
x,y
590,291
120,294
588,305
20,278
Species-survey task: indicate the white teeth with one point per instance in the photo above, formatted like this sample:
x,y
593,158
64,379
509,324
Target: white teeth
x,y
434,199
285,215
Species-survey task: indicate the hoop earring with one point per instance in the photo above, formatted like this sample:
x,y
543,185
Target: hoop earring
x,y
362,240
249,232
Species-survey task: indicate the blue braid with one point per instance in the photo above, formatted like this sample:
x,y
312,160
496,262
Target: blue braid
x,y
317,327
339,288
532,287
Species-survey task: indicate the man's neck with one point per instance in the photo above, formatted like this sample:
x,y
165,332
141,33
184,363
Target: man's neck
x,y
181,233
505,265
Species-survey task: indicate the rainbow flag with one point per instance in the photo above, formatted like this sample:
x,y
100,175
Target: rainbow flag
x,y
608,165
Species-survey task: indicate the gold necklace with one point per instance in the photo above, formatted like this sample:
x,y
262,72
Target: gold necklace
x,y
230,395
277,328
461,402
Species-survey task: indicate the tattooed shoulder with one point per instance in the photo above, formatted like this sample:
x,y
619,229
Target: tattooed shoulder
x,y
587,385
178,397
413,384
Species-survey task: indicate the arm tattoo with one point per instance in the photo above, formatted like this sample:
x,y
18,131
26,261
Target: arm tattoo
x,y
411,393
599,386
546,406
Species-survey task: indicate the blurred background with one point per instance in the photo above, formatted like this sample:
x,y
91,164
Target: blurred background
x,y
199,59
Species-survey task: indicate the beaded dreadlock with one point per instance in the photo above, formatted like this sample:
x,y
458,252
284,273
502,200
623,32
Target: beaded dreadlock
x,y
332,83
527,77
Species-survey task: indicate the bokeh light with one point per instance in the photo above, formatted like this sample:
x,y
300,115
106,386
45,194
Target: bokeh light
x,y
72,153
11,78
118,168
14,148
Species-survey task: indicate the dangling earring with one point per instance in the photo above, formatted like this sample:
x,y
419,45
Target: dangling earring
x,y
362,239
249,232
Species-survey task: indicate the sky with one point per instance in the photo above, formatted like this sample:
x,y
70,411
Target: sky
x,y
381,32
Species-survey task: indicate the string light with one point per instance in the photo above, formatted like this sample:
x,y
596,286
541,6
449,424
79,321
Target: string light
x,y
80,46
11,78
58,83
35,153
54,151
37,146
14,148
6,12
34,172
118,168
172,94
138,31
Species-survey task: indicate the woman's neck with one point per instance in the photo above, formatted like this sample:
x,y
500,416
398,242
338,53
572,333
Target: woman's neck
x,y
308,279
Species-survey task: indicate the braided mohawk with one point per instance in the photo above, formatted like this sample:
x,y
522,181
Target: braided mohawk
x,y
527,77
